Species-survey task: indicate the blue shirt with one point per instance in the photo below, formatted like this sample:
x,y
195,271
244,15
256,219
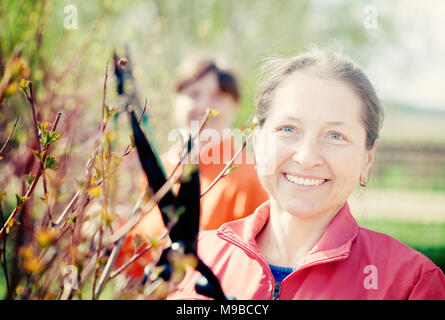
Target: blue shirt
x,y
279,273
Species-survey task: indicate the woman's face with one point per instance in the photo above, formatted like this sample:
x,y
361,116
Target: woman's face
x,y
191,103
311,150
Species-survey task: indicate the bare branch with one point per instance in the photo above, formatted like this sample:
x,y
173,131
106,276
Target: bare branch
x,y
10,134
31,102
136,257
103,122
223,172
67,210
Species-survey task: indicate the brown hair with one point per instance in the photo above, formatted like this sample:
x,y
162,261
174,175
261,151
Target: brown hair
x,y
193,69
323,63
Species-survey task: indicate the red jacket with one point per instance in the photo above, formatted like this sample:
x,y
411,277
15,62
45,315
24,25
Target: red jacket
x,y
348,262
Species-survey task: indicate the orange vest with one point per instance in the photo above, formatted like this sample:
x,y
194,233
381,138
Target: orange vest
x,y
234,196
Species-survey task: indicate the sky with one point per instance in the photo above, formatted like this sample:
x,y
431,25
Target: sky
x,y
412,71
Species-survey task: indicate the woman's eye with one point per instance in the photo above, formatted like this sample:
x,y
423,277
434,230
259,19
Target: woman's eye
x,y
287,129
335,136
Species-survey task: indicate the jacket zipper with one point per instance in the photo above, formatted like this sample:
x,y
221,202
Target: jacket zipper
x,y
276,291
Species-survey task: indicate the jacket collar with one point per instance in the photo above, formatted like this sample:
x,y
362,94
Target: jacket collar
x,y
334,244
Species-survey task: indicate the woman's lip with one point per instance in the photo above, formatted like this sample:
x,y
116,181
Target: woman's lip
x,y
305,187
304,176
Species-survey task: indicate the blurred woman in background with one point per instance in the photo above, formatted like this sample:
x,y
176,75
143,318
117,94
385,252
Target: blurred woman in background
x,y
200,85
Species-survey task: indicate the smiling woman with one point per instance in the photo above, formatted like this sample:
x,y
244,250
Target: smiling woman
x,y
319,119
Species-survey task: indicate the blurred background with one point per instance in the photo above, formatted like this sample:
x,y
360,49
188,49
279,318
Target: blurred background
x,y
65,46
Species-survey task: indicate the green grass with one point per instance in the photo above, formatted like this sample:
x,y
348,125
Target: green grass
x,y
427,238
2,285
410,233
396,176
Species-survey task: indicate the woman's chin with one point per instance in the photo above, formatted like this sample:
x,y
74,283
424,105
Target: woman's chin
x,y
301,208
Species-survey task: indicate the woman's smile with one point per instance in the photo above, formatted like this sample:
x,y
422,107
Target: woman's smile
x,y
304,183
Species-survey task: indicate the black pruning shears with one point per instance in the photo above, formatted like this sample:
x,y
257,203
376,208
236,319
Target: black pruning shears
x,y
123,71
184,232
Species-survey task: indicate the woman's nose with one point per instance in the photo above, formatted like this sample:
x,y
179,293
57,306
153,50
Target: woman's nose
x,y
307,153
202,104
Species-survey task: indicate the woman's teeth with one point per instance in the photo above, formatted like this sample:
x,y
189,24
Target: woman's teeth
x,y
304,181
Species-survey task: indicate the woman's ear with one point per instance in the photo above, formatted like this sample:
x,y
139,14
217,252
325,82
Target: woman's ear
x,y
370,157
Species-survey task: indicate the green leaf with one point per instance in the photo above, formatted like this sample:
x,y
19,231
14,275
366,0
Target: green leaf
x,y
49,137
37,154
2,195
155,242
23,85
230,169
212,113
42,126
188,171
71,219
45,197
21,200
179,212
29,178
51,163
11,224
132,143
247,130
109,112
55,135
94,191
107,218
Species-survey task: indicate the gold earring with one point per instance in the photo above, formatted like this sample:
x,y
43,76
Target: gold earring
x,y
362,181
